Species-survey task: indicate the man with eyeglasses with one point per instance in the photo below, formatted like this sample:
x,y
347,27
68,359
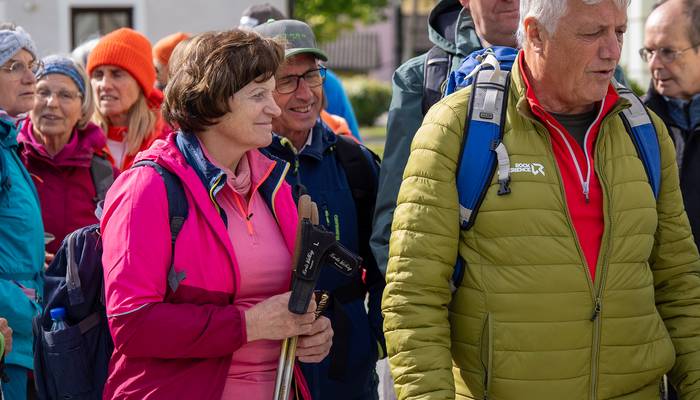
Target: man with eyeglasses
x,y
672,52
21,227
320,166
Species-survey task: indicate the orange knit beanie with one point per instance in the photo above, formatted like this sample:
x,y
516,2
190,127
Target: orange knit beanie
x,y
164,47
129,50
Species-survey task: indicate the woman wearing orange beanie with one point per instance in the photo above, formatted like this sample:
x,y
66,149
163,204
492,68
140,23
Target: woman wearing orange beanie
x,y
162,51
128,105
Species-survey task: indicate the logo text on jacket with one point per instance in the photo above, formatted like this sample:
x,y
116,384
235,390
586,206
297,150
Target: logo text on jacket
x,y
533,168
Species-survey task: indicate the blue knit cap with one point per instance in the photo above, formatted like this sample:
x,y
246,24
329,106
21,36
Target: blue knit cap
x,y
62,65
12,41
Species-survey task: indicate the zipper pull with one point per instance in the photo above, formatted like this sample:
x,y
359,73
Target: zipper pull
x,y
585,192
596,310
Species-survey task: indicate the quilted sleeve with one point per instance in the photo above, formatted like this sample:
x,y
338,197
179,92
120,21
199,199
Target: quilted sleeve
x,y
676,267
422,253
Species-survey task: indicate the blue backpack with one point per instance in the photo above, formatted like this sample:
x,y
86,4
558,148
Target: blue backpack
x,y
487,71
72,363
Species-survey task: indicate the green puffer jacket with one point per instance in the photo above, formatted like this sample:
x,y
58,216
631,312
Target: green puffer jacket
x,y
523,323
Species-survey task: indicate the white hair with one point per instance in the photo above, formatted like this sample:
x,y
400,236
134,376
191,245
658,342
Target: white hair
x,y
548,13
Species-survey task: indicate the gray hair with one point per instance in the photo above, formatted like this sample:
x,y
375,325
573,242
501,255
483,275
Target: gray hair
x,y
549,12
81,53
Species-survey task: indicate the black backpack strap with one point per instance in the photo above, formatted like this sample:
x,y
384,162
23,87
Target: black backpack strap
x,y
102,176
362,179
436,70
359,172
177,214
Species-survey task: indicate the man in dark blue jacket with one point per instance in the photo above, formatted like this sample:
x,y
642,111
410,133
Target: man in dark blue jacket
x,y
672,53
319,162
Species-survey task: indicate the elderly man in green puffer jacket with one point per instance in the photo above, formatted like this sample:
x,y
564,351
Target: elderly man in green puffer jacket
x,y
579,284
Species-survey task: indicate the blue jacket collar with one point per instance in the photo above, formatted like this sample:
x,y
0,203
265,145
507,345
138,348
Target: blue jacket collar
x,y
321,139
211,176
685,113
214,178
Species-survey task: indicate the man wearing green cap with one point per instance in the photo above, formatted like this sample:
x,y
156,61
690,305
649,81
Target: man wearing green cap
x,y
341,177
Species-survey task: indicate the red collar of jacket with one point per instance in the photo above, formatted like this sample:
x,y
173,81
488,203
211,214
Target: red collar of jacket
x,y
586,213
117,133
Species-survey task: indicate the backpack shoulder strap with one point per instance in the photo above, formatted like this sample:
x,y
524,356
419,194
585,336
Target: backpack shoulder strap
x,y
360,172
643,134
357,168
177,213
362,179
102,175
482,149
436,70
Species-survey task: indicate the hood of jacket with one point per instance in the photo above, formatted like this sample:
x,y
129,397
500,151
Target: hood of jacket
x,y
451,27
77,152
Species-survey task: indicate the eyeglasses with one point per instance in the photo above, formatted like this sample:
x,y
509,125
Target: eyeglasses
x,y
63,96
665,54
290,83
17,69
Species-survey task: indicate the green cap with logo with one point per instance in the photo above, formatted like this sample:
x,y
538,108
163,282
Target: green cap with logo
x,y
296,36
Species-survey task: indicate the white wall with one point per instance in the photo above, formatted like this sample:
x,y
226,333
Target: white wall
x,y
38,18
48,21
635,68
196,15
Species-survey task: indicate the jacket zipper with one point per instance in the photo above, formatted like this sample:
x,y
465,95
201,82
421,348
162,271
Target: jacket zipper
x,y
602,271
595,290
486,332
597,304
585,183
569,220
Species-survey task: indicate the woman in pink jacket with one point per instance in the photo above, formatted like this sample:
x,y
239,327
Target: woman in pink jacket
x,y
217,335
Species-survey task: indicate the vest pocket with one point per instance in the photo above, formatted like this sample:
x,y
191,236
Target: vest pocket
x,y
487,353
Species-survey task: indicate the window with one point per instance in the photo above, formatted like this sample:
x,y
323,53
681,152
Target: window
x,y
89,23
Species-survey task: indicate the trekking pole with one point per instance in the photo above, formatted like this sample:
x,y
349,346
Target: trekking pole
x,y
288,353
284,377
314,248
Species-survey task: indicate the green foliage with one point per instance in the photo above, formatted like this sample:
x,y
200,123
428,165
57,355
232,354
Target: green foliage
x,y
328,18
636,87
370,98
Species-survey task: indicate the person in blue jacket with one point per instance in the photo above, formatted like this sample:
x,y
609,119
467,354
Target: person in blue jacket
x,y
317,165
21,229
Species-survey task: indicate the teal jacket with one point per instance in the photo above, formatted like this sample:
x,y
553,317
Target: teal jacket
x,y
21,248
451,28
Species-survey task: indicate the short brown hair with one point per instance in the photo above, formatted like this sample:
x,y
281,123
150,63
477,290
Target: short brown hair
x,y
215,66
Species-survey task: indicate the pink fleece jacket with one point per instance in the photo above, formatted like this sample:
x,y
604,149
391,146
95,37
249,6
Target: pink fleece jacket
x,y
173,345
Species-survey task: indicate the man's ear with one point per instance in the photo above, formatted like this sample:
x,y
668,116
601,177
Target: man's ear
x,y
535,34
